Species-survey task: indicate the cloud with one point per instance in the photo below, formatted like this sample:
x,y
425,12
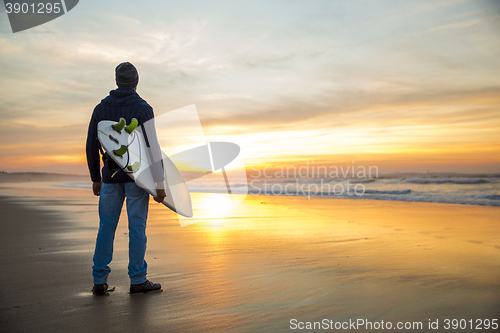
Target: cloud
x,y
264,73
293,111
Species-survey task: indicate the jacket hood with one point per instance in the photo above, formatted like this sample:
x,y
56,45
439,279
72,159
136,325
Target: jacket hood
x,y
122,96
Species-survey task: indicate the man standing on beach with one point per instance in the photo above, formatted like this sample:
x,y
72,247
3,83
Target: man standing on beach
x,y
123,102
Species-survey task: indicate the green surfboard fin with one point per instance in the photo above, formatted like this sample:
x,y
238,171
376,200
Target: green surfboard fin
x,y
136,166
119,125
132,126
122,150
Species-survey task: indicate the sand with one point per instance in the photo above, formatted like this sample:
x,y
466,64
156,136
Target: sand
x,y
252,269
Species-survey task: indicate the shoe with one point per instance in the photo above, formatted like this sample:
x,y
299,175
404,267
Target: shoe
x,y
145,287
100,289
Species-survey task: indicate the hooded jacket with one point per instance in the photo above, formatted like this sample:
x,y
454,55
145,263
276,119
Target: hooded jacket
x,y
123,102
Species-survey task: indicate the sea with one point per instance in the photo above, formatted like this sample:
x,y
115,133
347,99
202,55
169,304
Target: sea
x,y
469,189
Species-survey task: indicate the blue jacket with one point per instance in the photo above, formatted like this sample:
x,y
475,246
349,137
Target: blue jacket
x,y
121,103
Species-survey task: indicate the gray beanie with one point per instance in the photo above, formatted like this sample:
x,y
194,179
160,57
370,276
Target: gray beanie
x,y
126,75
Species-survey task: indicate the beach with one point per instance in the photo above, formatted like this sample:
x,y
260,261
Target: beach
x,y
269,264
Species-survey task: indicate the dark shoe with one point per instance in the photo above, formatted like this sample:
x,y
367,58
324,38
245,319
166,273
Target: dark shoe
x,y
145,287
100,289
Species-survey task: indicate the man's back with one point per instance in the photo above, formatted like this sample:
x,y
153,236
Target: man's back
x,y
124,103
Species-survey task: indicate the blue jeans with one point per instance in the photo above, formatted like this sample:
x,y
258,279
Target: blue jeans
x,y
110,206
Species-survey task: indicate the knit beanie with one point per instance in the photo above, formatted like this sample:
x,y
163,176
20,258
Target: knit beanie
x,y
126,75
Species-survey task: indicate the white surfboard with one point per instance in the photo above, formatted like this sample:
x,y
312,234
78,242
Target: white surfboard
x,y
130,152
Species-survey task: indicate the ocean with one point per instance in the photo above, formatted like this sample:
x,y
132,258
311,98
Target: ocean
x,y
443,188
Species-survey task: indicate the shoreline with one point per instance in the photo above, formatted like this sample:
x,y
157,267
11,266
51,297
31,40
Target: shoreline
x,y
79,185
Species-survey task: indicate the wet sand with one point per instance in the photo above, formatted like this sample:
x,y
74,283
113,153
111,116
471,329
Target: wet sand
x,y
252,269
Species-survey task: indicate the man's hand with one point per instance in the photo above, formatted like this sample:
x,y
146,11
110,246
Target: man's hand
x,y
160,195
96,187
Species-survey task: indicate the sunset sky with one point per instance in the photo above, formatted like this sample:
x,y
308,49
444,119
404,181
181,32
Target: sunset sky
x,y
404,85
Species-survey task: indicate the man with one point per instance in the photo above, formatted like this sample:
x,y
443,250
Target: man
x,y
113,188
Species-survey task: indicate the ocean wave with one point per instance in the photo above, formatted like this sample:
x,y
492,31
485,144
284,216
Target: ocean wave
x,y
388,192
490,197
238,185
391,195
362,181
299,180
85,185
446,180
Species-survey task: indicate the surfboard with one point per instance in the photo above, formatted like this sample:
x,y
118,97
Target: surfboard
x,y
126,145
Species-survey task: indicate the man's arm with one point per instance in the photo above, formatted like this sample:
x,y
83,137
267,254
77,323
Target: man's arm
x,y
93,160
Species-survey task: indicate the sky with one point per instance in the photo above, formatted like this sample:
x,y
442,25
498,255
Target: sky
x,y
407,86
